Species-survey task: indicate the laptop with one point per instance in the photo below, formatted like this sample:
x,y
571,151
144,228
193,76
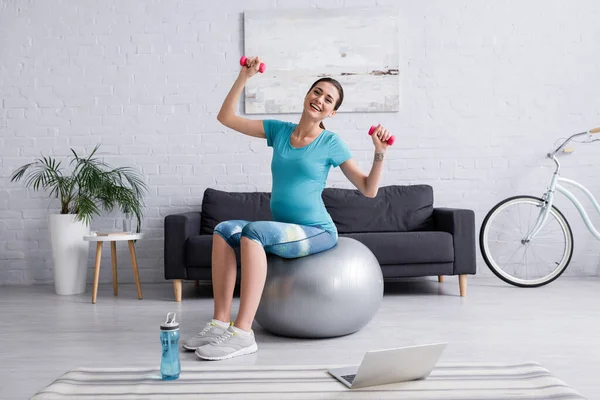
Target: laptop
x,y
381,367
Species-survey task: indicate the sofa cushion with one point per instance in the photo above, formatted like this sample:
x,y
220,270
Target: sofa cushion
x,y
198,251
390,248
394,209
219,206
408,247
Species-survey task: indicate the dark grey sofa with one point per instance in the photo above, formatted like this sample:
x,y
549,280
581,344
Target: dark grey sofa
x,y
409,237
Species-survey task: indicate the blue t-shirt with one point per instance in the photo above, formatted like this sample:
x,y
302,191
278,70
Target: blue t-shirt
x,y
300,174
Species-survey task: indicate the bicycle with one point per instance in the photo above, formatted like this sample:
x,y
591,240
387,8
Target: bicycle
x,y
549,258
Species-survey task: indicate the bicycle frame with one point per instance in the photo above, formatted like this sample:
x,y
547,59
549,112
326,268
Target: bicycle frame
x,y
554,186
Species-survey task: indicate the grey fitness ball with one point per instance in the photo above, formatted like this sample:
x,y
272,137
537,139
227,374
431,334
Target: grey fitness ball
x,y
328,294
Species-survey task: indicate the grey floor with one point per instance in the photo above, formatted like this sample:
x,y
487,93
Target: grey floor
x,y
42,335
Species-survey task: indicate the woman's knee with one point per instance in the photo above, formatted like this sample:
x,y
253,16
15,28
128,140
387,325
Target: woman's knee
x,y
246,241
254,231
230,231
219,241
228,228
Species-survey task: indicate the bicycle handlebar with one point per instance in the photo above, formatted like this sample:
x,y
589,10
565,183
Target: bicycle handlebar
x,y
562,146
569,150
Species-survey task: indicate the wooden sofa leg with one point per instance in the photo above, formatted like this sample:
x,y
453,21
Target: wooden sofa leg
x,y
440,278
177,285
462,284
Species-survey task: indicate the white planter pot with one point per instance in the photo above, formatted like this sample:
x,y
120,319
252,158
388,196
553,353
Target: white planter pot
x,y
69,253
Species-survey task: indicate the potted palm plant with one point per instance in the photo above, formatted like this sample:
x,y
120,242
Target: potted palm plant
x,y
90,187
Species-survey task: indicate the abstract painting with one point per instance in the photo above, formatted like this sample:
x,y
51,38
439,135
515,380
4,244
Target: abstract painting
x,y
357,46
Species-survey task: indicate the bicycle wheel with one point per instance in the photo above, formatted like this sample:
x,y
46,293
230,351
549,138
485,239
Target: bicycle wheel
x,y
532,264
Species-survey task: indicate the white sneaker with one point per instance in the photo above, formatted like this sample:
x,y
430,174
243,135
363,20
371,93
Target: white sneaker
x,y
230,344
211,331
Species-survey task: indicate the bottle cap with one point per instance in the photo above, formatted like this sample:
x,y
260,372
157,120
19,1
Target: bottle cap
x,y
170,324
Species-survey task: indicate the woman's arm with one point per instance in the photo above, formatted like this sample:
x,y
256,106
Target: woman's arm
x,y
227,115
369,185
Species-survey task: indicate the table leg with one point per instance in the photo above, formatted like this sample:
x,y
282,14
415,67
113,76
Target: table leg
x,y
96,271
177,285
113,254
135,268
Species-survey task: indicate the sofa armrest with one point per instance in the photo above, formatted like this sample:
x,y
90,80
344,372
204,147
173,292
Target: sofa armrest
x,y
178,227
460,223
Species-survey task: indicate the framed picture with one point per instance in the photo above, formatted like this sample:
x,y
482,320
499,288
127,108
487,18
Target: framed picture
x,y
358,47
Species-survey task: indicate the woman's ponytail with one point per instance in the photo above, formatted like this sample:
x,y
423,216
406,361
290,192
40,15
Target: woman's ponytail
x,y
321,125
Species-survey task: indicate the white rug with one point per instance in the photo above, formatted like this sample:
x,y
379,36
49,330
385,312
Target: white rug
x,y
211,381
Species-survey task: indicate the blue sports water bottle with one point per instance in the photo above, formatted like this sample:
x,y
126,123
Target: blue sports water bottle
x,y
169,337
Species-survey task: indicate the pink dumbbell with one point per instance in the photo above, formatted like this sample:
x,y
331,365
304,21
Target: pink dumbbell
x,y
261,67
390,141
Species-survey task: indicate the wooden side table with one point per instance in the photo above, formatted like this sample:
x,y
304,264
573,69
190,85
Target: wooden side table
x,y
113,250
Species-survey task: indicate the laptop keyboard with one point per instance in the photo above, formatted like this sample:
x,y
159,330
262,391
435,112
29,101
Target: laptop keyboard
x,y
349,378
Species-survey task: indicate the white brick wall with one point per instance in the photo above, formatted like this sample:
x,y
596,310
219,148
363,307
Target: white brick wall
x,y
487,88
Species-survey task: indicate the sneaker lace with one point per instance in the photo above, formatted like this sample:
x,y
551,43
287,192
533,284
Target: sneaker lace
x,y
224,336
207,328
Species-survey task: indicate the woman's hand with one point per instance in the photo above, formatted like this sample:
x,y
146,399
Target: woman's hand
x,y
380,136
251,67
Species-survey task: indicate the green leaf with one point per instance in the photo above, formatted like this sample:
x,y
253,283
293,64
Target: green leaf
x,y
91,187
